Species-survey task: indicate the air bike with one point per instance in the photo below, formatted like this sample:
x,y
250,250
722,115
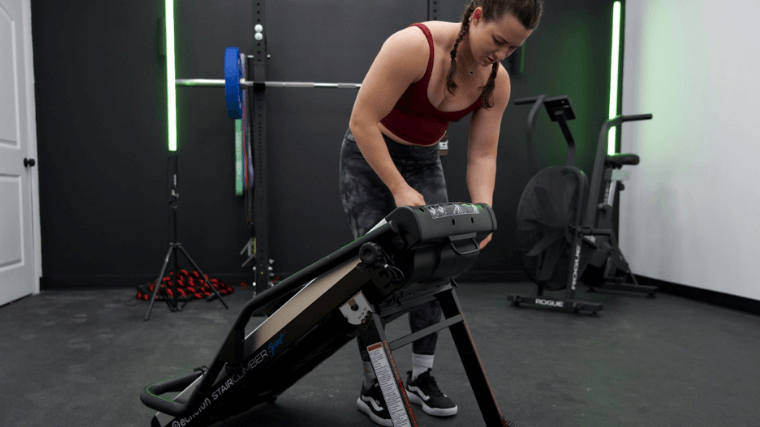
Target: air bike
x,y
565,232
412,257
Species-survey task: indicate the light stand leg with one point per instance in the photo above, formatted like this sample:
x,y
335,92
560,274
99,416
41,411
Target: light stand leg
x,y
203,276
159,282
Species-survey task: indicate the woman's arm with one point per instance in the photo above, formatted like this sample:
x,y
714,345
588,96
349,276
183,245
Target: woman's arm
x,y
483,144
401,61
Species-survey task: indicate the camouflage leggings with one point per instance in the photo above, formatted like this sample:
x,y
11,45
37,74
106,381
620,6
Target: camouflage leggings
x,y
367,200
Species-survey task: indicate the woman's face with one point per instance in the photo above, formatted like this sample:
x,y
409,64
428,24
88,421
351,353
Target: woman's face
x,y
494,40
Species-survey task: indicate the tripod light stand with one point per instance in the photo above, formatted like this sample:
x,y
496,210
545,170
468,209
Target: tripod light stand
x,y
174,247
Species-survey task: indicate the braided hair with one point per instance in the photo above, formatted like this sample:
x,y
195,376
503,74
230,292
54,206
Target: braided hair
x,y
527,12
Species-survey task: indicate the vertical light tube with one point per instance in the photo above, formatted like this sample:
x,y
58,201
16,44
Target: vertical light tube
x,y
170,76
614,69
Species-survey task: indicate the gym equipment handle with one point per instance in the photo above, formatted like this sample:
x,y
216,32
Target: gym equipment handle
x,y
616,121
601,154
523,101
589,231
530,133
151,395
470,252
635,117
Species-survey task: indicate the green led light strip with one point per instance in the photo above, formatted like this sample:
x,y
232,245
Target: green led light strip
x,y
614,62
170,76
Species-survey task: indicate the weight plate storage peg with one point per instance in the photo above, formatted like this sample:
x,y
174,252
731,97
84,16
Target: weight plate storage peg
x,y
233,73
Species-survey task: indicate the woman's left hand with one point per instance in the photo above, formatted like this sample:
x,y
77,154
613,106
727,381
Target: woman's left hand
x,y
485,241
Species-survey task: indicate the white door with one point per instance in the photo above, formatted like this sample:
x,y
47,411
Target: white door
x,y
19,247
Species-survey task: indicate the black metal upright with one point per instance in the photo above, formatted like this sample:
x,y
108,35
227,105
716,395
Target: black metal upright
x,y
258,117
432,10
471,361
391,384
372,333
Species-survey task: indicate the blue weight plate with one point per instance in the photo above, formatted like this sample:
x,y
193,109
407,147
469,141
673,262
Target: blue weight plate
x,y
233,93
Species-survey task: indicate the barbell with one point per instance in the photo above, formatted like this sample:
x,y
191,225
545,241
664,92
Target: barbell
x,y
220,83
234,82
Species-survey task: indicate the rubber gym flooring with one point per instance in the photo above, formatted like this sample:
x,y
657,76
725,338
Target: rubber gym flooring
x,y
80,358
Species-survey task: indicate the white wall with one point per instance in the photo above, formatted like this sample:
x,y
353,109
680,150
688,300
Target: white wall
x,y
691,212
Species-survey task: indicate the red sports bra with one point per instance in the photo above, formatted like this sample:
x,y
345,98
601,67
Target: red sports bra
x,y
414,118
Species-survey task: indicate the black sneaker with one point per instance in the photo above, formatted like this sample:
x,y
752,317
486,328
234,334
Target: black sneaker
x,y
371,402
424,391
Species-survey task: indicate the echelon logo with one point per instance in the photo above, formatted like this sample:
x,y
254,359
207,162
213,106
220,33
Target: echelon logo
x,y
185,421
216,394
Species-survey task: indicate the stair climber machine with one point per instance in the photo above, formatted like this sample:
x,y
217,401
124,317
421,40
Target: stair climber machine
x,y
412,257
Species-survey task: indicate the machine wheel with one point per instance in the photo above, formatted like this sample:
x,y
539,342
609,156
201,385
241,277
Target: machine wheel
x,y
547,209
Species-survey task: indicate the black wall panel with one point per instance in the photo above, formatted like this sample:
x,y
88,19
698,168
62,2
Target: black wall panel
x,y
322,42
101,117
101,126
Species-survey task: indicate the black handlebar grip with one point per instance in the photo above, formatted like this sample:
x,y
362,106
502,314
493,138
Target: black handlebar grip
x,y
523,101
151,395
636,117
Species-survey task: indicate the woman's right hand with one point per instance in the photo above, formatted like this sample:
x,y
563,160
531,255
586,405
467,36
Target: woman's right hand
x,y
408,196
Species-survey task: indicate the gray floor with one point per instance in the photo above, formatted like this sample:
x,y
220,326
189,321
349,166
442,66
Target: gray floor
x,y
80,358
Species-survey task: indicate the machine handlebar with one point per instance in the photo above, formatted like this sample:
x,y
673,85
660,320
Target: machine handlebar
x,y
617,120
635,117
523,101
151,395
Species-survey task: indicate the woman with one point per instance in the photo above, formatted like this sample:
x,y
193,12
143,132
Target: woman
x,y
424,77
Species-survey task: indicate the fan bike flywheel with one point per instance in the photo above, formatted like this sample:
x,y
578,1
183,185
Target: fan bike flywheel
x,y
548,207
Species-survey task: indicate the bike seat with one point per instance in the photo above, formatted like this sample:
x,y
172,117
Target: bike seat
x,y
619,160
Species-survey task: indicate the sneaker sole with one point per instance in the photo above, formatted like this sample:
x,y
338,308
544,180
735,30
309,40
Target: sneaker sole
x,y
437,412
363,407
